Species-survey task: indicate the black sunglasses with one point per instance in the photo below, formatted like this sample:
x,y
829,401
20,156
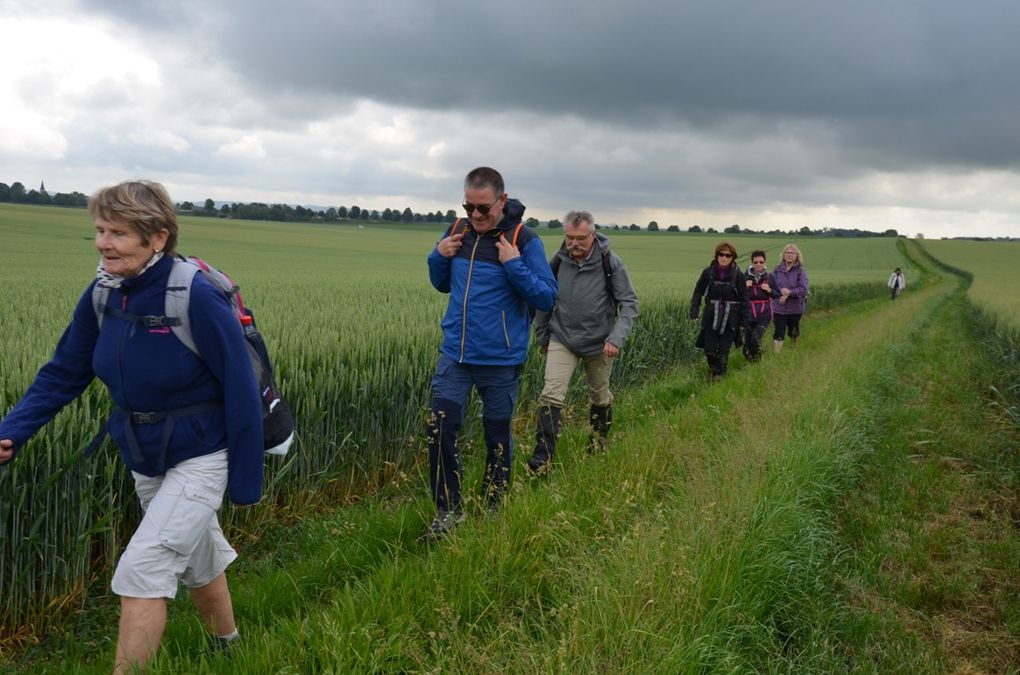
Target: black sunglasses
x,y
724,254
482,208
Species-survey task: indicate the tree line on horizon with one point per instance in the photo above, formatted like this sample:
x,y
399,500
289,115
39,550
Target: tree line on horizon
x,y
17,194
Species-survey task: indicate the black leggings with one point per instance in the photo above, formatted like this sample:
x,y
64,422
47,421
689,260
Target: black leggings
x,y
753,337
786,323
717,349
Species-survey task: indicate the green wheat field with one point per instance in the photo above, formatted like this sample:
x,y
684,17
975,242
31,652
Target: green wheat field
x,y
352,325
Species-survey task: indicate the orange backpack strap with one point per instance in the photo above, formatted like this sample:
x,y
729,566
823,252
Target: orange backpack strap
x,y
453,228
517,231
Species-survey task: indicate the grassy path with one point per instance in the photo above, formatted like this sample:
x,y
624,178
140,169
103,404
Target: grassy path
x,y
805,514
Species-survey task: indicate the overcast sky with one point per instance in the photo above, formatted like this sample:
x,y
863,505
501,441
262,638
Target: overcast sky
x,y
779,113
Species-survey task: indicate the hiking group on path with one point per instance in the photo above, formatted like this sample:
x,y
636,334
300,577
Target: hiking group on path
x,y
584,306
195,407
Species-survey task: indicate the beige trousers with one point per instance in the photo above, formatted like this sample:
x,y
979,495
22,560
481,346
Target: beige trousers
x,y
560,364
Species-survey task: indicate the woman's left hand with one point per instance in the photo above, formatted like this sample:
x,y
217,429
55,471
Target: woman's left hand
x,y
6,450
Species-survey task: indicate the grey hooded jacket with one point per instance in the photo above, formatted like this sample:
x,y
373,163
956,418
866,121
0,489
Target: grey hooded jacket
x,y
584,318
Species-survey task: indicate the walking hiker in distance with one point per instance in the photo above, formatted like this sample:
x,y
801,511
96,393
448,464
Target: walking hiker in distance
x,y
791,279
726,313
496,273
593,315
760,291
896,283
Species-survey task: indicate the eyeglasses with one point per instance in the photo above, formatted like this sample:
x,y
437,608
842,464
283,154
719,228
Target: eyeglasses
x,y
724,254
481,208
758,262
579,237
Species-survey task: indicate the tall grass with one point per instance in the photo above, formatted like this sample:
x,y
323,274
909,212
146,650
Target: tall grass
x,y
352,325
992,312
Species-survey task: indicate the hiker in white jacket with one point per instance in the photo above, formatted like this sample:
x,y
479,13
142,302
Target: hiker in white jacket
x,y
896,283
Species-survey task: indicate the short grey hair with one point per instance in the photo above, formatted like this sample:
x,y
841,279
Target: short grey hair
x,y
575,218
485,177
142,205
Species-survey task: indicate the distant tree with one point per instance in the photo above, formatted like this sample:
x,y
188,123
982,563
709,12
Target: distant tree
x,y
330,213
387,214
407,215
920,235
805,231
37,197
532,222
711,230
17,192
451,216
225,210
355,212
634,227
72,199
210,205
732,229
187,206
653,226
5,192
341,212
419,218
554,224
694,228
280,212
375,215
616,227
890,233
672,228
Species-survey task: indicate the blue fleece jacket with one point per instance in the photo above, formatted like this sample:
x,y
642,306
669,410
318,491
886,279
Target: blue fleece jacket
x,y
488,320
150,370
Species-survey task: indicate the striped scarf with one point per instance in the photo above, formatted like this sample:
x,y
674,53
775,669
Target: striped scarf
x,y
107,280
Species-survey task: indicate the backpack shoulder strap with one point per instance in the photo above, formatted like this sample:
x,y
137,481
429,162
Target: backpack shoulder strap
x,y
178,299
517,231
607,271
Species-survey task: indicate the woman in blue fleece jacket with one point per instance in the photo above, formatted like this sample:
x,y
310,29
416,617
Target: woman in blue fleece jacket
x,y
188,426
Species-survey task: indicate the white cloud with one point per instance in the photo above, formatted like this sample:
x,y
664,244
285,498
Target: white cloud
x,y
159,138
249,146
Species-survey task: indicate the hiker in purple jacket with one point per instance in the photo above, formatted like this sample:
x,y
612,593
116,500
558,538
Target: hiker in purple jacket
x,y
760,291
791,279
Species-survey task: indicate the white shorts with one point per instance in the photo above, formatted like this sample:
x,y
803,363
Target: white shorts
x,y
179,537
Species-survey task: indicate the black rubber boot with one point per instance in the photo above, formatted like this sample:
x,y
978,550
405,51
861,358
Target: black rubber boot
x,y
601,418
547,430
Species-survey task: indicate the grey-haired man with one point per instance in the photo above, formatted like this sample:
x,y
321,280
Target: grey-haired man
x,y
594,312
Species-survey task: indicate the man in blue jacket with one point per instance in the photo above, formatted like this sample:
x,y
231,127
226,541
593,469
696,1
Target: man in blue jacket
x,y
496,273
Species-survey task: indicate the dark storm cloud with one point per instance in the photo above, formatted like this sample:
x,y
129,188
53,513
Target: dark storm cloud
x,y
902,83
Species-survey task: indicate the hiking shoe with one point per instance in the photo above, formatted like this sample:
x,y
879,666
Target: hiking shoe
x,y
223,645
444,523
538,465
